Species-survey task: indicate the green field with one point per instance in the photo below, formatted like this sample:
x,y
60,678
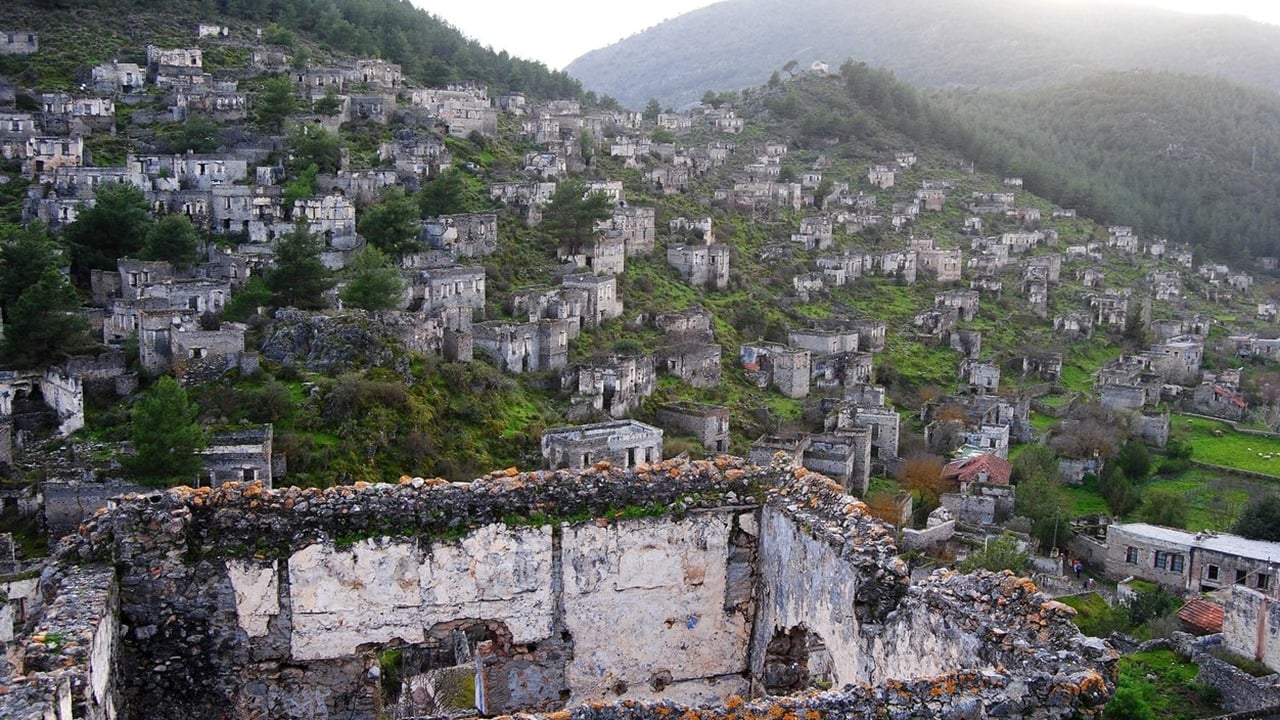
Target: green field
x,y
1229,448
1214,501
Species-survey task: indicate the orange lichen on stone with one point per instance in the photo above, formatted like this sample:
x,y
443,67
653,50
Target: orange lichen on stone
x,y
733,702
812,714
776,711
559,715
603,465
734,474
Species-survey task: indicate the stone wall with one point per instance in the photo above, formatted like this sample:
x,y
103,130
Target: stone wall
x,y
674,582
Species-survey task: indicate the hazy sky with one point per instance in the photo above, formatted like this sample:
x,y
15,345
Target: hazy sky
x,y
557,31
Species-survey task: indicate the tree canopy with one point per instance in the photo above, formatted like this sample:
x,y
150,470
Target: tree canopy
x,y
45,323
166,436
374,284
392,225
173,238
115,226
299,278
1260,519
571,215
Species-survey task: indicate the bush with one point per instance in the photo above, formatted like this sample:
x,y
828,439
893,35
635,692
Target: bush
x,y
1128,704
1150,605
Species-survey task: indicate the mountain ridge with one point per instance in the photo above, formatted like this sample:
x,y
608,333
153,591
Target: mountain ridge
x,y
965,44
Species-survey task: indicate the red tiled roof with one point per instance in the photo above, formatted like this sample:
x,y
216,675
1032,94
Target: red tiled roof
x,y
1201,616
969,469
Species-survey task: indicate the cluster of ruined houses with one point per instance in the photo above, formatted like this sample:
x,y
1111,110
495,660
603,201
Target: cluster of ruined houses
x,y
236,193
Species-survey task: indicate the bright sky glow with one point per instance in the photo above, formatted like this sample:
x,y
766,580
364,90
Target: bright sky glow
x,y
558,31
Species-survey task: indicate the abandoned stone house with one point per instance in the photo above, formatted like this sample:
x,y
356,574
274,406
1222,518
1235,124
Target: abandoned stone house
x,y
881,421
1254,346
691,324
1110,309
421,156
441,288
222,102
981,376
1037,294
46,154
468,235
600,297
1043,366
1219,400
377,74
190,171
331,216
697,230
1177,360
614,386
117,78
1165,285
842,269
843,456
622,443
992,439
708,423
545,165
533,346
823,341
701,265
943,265
932,199
1046,267
605,255
1074,325
669,180
636,226
935,322
675,122
843,370
785,368
966,342
881,176
809,285
965,301
175,341
897,264
871,334
18,42
1021,242
697,363
242,455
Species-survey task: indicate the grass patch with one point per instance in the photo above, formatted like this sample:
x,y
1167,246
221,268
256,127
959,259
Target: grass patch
x,y
1220,444
1084,501
1165,683
1094,616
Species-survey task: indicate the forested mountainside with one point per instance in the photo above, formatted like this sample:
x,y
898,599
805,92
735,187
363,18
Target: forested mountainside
x,y
1185,157
1011,44
1180,156
429,50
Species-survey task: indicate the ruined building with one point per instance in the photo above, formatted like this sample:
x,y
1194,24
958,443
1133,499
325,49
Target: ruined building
x,y
534,592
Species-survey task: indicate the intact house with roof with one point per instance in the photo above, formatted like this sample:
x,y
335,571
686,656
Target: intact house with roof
x,y
1189,562
985,495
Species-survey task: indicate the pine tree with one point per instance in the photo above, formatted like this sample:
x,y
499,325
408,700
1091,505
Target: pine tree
x,y
375,283
115,227
166,436
173,238
392,225
299,278
45,323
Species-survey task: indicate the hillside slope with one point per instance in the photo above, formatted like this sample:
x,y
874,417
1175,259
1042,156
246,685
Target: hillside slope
x,y
956,43
429,50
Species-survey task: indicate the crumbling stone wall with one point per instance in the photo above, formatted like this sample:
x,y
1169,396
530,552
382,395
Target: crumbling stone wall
x,y
667,582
